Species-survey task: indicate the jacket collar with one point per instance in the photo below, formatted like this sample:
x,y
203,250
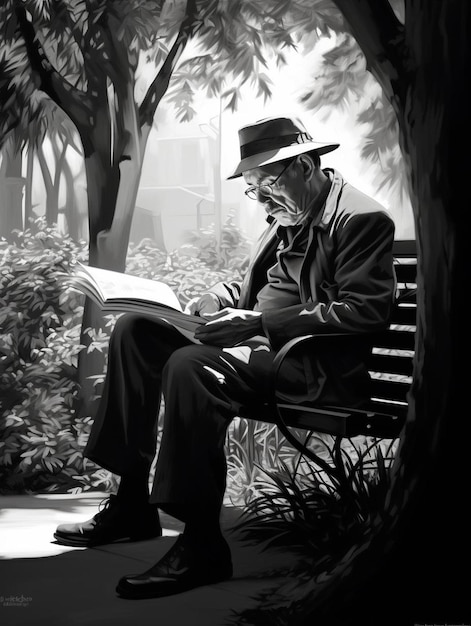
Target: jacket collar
x,y
330,207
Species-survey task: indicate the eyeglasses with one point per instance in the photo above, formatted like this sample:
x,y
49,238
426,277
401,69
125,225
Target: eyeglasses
x,y
255,191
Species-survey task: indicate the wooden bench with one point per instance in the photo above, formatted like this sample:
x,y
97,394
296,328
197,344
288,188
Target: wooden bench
x,y
390,368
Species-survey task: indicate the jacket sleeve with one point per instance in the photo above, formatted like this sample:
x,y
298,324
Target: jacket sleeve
x,y
361,296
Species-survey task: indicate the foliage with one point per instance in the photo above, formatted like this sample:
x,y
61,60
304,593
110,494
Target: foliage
x,y
107,66
39,347
85,58
196,265
229,254
81,45
251,448
342,82
320,509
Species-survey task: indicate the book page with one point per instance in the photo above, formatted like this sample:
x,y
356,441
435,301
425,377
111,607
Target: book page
x,y
110,286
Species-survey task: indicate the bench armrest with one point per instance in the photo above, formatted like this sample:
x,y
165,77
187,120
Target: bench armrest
x,y
284,351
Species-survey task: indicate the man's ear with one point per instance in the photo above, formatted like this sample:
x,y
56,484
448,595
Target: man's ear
x,y
307,165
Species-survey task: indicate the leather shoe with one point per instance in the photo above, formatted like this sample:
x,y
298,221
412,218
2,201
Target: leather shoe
x,y
115,522
181,569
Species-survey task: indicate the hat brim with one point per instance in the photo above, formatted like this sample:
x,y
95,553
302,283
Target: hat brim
x,y
272,156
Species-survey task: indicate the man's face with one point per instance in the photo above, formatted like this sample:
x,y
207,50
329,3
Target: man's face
x,y
287,196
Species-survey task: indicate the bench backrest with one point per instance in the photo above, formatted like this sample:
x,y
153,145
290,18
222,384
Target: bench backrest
x,y
392,357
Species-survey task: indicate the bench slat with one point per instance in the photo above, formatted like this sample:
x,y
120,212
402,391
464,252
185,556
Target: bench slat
x,y
391,364
406,272
399,409
389,389
395,339
407,296
404,315
405,248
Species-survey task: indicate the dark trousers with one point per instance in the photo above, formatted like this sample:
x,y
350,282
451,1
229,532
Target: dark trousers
x,y
203,388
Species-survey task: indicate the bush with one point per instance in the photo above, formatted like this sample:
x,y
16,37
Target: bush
x,y
197,264
39,345
230,255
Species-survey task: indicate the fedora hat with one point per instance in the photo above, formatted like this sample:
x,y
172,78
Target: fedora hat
x,y
275,139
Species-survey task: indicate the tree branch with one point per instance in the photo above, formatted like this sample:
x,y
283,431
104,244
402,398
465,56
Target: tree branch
x,y
74,103
380,36
115,63
160,84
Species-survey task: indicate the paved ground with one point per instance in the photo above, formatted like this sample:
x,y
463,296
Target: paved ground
x,y
43,583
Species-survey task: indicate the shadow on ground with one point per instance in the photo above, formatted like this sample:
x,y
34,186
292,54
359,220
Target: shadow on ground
x,y
77,586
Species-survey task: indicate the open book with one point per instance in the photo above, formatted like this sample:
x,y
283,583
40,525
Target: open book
x,y
115,292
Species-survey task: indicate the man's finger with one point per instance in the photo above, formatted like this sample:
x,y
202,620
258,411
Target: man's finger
x,y
215,316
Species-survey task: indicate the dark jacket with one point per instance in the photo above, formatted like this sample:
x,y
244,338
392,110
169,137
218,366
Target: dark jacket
x,y
334,275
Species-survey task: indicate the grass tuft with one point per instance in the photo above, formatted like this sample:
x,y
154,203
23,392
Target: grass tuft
x,y
318,509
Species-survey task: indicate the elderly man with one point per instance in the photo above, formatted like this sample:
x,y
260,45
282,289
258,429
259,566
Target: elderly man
x,y
324,265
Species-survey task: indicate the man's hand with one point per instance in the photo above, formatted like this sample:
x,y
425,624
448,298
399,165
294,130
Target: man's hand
x,y
202,305
230,326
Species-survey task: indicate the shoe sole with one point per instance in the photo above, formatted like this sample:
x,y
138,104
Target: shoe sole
x,y
77,543
171,590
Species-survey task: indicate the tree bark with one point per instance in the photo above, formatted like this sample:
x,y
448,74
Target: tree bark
x,y
52,201
29,184
11,190
102,188
71,209
112,242
410,570
431,474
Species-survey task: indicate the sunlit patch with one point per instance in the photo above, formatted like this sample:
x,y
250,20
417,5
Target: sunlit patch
x,y
219,375
242,353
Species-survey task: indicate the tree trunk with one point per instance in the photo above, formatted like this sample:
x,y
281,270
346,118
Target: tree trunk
x,y
11,191
112,243
29,184
411,569
431,473
52,206
112,191
72,214
102,186
52,200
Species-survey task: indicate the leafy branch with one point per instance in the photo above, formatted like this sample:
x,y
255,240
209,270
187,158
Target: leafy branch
x,y
74,102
